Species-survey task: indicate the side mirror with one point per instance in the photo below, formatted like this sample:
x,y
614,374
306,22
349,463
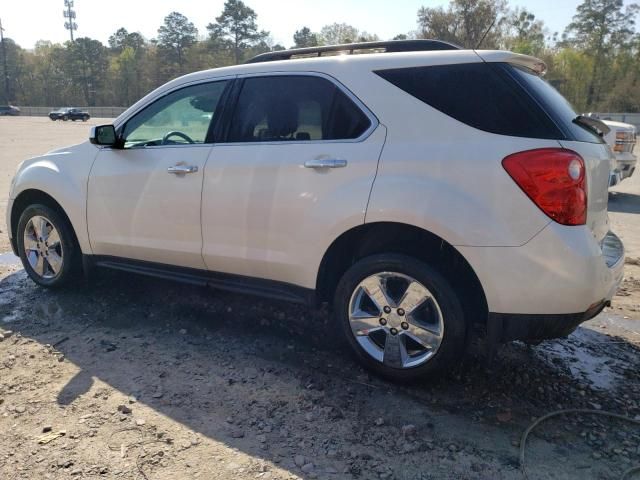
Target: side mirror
x,y
104,135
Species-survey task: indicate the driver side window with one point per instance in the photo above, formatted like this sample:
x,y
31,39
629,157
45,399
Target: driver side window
x,y
179,118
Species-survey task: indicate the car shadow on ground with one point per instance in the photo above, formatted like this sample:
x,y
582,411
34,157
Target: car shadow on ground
x,y
621,202
271,380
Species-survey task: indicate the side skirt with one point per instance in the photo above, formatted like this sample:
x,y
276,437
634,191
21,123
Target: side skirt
x,y
218,280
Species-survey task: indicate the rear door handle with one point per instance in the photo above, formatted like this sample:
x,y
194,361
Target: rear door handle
x,y
326,163
182,169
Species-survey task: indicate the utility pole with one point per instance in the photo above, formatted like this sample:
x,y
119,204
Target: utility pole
x,y
5,70
70,15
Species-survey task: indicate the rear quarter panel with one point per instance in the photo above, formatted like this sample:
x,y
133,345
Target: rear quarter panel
x,y
446,177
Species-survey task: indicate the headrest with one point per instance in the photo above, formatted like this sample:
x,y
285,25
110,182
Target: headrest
x,y
282,118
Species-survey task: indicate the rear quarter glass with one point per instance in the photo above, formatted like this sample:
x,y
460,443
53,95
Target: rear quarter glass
x,y
554,104
482,95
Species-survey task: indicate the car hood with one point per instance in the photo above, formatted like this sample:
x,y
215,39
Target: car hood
x,y
68,149
618,125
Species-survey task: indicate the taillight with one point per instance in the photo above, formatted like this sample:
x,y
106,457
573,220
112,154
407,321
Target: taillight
x,y
554,178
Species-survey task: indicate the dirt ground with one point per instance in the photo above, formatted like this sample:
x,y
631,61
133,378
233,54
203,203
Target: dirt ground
x,y
137,378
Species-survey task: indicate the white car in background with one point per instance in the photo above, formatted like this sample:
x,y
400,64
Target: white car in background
x,y
429,194
622,138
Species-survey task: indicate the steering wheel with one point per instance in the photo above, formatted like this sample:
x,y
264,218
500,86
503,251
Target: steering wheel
x,y
184,136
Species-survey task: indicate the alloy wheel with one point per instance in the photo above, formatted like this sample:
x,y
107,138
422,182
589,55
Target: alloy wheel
x,y
42,247
396,320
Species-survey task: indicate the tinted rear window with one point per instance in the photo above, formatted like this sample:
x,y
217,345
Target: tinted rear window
x,y
554,103
480,95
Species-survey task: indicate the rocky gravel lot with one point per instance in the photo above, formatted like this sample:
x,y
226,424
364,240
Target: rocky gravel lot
x,y
137,378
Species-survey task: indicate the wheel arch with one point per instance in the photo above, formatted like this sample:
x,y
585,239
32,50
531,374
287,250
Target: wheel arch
x,y
391,237
29,197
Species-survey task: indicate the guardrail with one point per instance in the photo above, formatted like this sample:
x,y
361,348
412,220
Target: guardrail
x,y
632,118
97,112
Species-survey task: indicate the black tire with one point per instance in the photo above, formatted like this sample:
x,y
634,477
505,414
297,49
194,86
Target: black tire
x,y
65,118
85,118
72,258
452,346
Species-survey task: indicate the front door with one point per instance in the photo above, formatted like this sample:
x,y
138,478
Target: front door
x,y
144,200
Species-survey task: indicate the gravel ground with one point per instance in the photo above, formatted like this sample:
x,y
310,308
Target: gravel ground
x,y
137,378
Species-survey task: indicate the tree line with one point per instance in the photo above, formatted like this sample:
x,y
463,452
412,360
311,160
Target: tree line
x,y
594,62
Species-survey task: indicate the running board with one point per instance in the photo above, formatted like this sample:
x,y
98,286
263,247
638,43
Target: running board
x,y
221,281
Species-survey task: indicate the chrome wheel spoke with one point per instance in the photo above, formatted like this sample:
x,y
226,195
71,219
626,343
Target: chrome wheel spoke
x,y
423,337
32,257
377,292
53,238
55,262
40,227
395,351
413,297
39,267
30,245
363,324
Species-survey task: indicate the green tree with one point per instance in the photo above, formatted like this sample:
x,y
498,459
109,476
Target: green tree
x,y
176,35
122,39
14,64
525,33
338,33
238,26
305,38
87,67
599,27
465,22
569,72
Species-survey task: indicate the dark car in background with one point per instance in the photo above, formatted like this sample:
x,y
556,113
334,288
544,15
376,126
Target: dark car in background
x,y
9,110
69,114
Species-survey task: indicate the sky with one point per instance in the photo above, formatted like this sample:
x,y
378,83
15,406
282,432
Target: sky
x,y
27,21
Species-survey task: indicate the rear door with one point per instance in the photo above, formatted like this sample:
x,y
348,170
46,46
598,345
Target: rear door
x,y
295,171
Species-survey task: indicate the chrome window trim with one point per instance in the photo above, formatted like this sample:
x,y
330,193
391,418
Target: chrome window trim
x,y
373,120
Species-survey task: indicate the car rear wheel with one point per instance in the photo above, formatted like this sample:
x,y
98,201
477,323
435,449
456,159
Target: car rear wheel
x,y
47,246
65,118
85,118
401,317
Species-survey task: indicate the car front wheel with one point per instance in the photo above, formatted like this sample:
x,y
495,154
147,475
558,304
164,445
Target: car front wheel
x,y
401,317
47,246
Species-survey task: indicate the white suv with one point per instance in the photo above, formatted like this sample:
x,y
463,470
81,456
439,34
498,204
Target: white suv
x,y
429,194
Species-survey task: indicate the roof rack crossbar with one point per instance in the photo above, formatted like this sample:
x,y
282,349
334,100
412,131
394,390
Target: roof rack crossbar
x,y
391,46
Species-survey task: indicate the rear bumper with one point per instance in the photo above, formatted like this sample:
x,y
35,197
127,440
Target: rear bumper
x,y
504,327
561,271
625,166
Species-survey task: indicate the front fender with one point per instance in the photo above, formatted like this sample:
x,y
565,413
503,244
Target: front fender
x,y
63,175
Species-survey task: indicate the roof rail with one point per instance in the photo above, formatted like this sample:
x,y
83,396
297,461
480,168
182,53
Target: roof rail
x,y
387,47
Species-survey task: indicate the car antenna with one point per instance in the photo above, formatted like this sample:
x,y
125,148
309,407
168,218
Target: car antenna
x,y
486,32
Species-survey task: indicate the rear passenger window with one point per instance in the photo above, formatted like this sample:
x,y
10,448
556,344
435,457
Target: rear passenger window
x,y
295,108
478,94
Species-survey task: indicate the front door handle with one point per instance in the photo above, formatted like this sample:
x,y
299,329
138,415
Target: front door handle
x,y
182,169
326,163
